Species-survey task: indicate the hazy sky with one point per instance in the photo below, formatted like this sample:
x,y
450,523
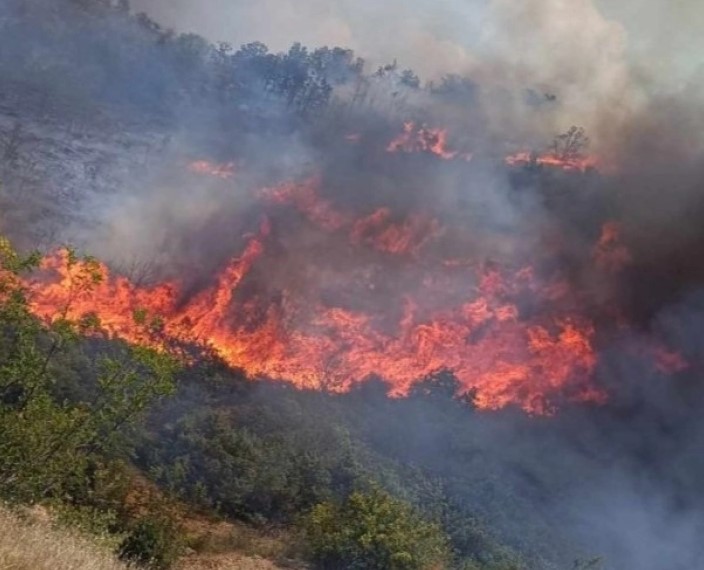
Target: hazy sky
x,y
435,36
606,60
378,30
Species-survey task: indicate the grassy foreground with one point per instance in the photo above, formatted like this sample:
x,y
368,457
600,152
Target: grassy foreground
x,y
26,545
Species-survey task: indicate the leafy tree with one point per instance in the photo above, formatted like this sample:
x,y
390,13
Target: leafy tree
x,y
591,564
253,471
337,65
48,446
456,89
410,79
570,145
373,531
153,542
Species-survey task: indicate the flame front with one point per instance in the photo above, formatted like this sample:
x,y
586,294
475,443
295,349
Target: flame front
x,y
501,355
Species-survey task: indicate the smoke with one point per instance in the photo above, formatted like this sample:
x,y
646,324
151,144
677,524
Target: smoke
x,y
603,60
183,224
424,32
652,32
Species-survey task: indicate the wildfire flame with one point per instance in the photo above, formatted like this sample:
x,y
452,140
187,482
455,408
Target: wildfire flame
x,y
408,237
484,341
493,350
461,315
567,163
610,254
424,139
668,361
223,171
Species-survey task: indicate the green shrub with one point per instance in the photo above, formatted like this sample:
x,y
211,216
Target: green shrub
x,y
153,542
54,434
101,524
373,531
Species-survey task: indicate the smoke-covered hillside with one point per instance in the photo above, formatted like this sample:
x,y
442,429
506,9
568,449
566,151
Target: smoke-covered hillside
x,y
477,289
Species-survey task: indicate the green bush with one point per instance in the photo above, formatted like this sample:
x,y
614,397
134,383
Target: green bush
x,y
51,441
373,531
90,521
153,542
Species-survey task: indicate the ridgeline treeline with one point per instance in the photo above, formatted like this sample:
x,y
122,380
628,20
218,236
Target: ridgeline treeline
x,y
79,59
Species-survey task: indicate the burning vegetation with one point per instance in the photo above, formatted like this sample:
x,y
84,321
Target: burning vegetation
x,y
383,300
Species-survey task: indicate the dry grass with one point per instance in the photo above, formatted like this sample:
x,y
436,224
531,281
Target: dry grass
x,y
221,545
231,561
26,545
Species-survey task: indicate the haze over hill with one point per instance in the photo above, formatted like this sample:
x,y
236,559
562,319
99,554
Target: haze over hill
x,y
601,57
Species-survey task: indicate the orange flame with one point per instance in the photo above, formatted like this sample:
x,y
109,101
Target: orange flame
x,y
378,231
477,328
669,361
425,140
581,164
223,171
610,254
304,198
493,351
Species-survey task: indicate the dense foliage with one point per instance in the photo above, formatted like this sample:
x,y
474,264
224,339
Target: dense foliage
x,y
49,444
153,542
147,69
373,531
267,454
68,404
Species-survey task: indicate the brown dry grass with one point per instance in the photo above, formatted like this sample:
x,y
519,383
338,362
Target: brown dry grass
x,y
26,545
221,545
230,561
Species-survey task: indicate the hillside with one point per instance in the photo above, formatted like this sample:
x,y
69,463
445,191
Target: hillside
x,y
292,309
35,545
30,542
